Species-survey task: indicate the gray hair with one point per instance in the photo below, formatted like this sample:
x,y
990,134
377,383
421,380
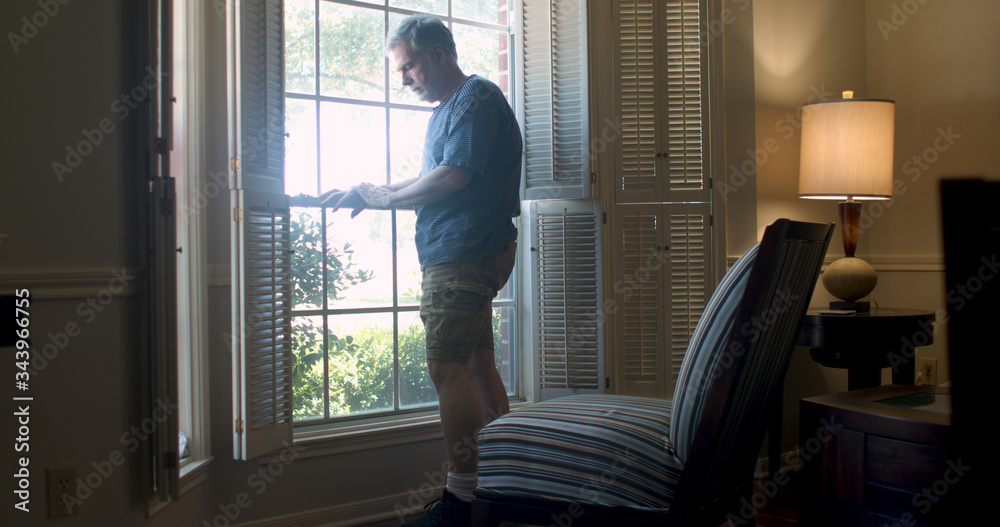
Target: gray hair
x,y
423,33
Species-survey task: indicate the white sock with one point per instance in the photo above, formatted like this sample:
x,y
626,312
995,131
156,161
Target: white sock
x,y
462,484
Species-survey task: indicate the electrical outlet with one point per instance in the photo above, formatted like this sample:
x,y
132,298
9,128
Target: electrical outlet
x,y
928,372
62,492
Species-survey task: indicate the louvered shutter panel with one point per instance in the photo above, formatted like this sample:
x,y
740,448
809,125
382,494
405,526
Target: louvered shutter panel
x,y
683,77
687,272
639,299
660,72
638,101
553,83
261,271
565,273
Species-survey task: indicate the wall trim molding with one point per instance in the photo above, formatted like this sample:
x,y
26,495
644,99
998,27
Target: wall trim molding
x,y
889,263
72,283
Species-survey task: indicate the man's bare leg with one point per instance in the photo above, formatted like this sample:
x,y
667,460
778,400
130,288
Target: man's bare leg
x,y
492,392
461,412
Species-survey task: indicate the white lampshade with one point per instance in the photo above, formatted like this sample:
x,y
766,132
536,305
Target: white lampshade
x,y
847,149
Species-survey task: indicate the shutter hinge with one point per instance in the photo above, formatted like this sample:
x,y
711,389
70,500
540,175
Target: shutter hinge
x,y
239,426
604,217
607,383
711,183
237,214
234,163
593,177
711,220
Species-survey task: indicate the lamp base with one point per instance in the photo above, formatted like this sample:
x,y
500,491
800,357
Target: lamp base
x,y
850,279
857,307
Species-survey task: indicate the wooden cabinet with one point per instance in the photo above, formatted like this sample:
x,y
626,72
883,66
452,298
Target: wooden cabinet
x,y
879,457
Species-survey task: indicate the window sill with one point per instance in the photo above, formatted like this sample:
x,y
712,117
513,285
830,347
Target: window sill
x,y
193,473
326,440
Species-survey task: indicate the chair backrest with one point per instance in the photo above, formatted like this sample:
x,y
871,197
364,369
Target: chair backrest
x,y
727,384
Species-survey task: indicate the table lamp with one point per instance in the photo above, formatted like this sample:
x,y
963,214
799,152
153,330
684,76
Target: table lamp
x,y
847,147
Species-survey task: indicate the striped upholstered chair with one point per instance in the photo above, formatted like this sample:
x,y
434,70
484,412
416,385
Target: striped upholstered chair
x,y
610,460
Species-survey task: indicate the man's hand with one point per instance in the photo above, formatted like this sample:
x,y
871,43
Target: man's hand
x,y
358,198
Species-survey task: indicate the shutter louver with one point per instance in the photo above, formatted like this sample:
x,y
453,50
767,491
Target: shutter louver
x,y
565,274
554,114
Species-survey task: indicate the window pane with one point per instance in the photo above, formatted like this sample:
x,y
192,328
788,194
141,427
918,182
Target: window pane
x,y
492,11
352,63
352,138
300,59
407,129
307,262
479,53
366,242
408,265
435,7
307,375
415,387
361,363
300,148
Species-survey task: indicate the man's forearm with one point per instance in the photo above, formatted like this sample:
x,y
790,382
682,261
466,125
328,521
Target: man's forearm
x,y
434,186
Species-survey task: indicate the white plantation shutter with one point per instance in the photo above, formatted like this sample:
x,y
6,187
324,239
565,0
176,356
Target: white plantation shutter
x,y
261,270
661,74
638,102
662,211
565,273
684,77
553,84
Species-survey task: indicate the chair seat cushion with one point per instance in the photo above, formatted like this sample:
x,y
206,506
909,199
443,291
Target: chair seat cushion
x,y
600,449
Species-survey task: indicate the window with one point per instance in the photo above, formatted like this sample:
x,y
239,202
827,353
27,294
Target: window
x,y
357,338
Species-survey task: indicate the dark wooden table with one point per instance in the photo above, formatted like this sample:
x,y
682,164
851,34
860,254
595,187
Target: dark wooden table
x,y
864,343
878,456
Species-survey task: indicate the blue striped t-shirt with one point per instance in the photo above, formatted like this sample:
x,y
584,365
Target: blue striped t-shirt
x,y
473,128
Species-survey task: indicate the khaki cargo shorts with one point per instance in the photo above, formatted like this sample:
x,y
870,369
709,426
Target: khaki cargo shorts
x,y
457,304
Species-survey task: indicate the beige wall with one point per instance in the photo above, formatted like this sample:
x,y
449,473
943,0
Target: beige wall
x,y
938,61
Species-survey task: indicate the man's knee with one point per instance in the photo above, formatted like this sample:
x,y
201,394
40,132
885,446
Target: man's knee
x,y
445,372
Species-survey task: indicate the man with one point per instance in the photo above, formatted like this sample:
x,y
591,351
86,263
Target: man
x,y
465,197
